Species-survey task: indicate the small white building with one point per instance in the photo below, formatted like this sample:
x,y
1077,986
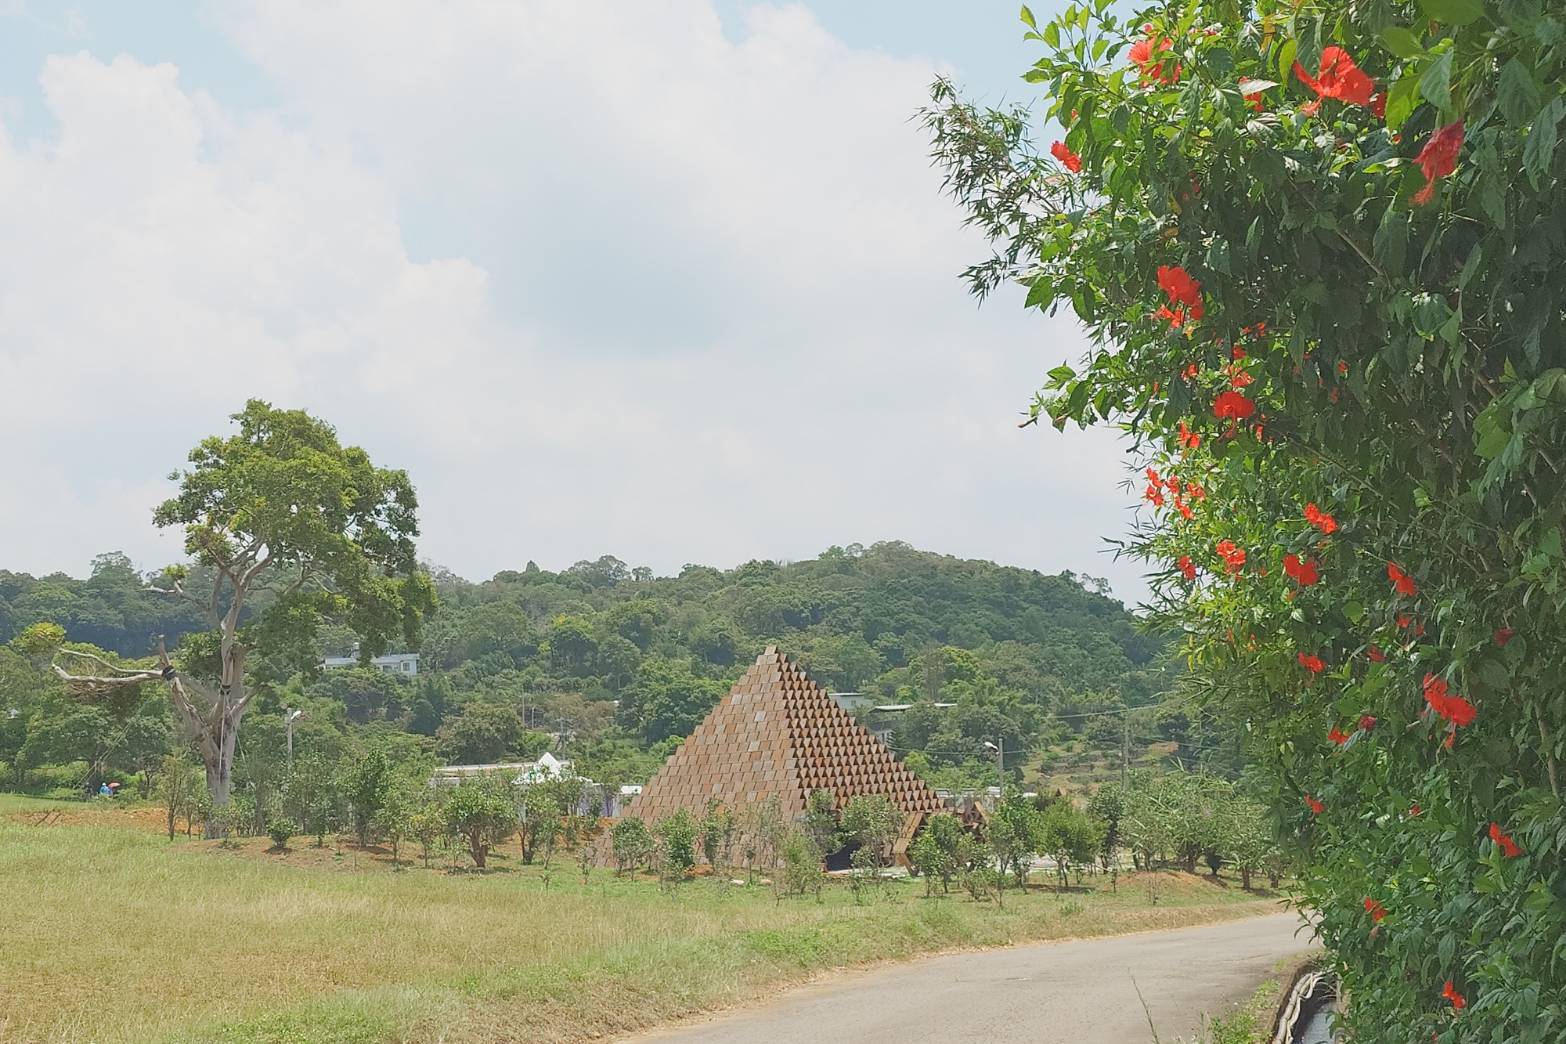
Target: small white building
x,y
522,772
406,664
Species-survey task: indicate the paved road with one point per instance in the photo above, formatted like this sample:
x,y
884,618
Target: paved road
x,y
1051,993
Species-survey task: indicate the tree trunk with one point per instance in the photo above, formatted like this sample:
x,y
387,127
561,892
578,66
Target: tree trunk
x,y
479,851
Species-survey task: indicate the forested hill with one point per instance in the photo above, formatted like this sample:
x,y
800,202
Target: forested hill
x,y
612,660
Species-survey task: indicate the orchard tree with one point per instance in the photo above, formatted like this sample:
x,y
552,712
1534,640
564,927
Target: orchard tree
x,y
1320,252
285,526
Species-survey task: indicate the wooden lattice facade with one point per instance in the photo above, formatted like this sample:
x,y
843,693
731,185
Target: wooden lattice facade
x,y
778,734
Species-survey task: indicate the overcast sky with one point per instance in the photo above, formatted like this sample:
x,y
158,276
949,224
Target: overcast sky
x,y
666,279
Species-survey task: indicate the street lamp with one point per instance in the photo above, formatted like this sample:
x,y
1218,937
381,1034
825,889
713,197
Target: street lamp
x,y
289,717
1000,759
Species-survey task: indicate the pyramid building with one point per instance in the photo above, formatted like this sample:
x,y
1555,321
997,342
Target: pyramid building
x,y
778,734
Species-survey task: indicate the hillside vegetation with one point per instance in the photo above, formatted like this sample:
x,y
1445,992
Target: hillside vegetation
x,y
614,666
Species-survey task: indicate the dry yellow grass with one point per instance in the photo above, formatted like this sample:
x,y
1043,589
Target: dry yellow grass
x,y
112,934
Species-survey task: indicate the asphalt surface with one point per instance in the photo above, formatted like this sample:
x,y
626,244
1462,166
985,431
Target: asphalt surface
x,y
1082,992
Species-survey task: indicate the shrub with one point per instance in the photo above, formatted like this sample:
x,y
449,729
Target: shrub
x,y
280,829
937,851
676,844
801,871
631,844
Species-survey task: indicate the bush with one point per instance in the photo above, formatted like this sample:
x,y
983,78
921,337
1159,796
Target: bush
x,y
676,844
280,829
937,851
631,844
801,871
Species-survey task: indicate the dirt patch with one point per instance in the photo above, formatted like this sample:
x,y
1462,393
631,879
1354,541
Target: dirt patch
x,y
137,817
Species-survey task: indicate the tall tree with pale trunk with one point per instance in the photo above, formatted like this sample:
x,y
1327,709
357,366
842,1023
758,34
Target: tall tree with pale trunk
x,y
286,526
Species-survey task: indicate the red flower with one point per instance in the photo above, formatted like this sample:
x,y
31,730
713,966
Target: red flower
x,y
1448,704
1178,285
1153,477
1184,509
1311,663
1375,654
1236,353
1459,1002
1414,809
1070,159
1375,910
1338,736
1316,807
1188,438
1504,839
1367,722
1190,371
1197,492
1154,494
1240,379
1142,56
1187,567
1255,99
1231,405
1438,159
1306,572
1404,583
1320,519
1378,105
1502,635
1338,78
1233,556
1343,368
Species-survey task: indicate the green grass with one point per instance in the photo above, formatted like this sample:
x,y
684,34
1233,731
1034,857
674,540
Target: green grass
x,y
1254,1020
113,934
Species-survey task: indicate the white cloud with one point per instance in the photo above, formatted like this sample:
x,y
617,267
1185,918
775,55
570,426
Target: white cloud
x,y
602,284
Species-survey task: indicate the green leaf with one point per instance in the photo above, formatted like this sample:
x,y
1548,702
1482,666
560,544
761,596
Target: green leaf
x,y
1401,42
1402,99
1539,152
1027,17
1039,293
1286,55
1052,34
1256,86
1453,12
1436,83
1061,374
1518,93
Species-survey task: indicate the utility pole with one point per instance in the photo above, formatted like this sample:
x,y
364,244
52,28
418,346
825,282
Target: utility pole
x,y
1125,748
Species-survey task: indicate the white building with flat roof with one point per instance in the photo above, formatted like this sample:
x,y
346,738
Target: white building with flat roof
x,y
392,663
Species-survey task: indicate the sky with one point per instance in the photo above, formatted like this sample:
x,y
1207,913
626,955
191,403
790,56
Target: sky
x,y
671,280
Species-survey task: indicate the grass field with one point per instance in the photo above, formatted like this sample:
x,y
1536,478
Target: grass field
x,y
112,934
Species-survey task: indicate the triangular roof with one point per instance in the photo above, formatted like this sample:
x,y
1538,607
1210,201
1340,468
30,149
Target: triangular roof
x,y
779,733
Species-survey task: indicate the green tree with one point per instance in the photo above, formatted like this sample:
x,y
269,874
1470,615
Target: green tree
x,y
481,734
1014,834
819,822
480,814
676,835
177,785
872,822
363,786
543,808
281,506
937,851
631,843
